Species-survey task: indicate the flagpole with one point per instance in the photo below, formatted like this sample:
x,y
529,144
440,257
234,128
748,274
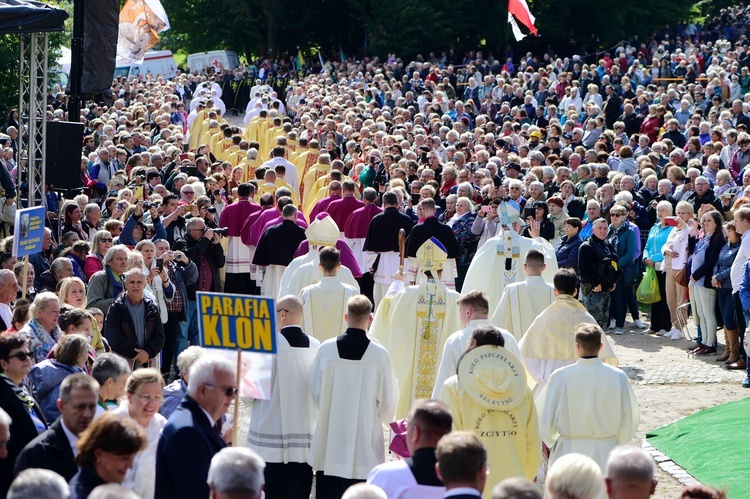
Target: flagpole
x,y
507,39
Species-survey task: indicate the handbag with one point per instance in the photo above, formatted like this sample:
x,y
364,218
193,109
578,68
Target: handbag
x,y
681,277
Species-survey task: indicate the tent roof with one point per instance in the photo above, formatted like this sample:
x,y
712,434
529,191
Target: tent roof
x,y
22,16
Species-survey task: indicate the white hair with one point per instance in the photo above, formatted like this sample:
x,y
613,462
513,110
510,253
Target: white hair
x,y
575,475
38,483
236,471
364,491
188,357
204,371
625,196
112,491
630,463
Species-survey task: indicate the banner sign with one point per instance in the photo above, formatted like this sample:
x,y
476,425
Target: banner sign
x,y
29,232
231,322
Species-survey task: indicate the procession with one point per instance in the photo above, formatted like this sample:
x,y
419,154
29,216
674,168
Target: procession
x,y
458,276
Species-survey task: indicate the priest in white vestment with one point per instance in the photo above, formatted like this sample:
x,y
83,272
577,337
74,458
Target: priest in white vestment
x,y
415,324
324,303
588,407
499,261
324,233
281,428
354,387
549,343
472,308
522,302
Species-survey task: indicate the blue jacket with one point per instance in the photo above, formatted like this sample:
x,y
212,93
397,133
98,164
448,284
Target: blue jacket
x,y
126,234
723,266
186,446
46,378
657,238
173,395
625,243
567,253
745,288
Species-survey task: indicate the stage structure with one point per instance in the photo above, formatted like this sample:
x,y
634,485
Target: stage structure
x,y
32,22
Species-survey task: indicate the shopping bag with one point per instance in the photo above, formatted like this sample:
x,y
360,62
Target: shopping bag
x,y
648,290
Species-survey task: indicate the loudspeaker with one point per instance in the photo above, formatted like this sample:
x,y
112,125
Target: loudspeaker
x,y
63,149
101,24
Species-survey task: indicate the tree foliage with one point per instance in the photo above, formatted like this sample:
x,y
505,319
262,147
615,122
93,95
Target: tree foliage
x,y
379,27
9,59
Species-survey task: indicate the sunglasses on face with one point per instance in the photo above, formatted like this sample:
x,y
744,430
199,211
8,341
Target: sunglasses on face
x,y
106,239
229,391
21,356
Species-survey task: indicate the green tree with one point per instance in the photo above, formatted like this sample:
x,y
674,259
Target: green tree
x,y
9,60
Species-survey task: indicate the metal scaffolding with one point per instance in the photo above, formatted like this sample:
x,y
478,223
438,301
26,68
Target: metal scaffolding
x,y
32,110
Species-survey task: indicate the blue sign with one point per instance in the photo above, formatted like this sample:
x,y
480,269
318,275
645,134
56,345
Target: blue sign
x,y
231,322
29,232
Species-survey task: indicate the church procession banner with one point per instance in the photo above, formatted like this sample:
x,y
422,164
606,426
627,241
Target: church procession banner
x,y
29,233
243,329
141,21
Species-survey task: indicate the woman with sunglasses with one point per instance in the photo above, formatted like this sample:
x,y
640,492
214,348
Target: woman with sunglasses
x,y
144,397
28,419
99,246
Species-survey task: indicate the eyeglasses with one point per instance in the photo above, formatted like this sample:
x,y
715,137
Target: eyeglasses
x,y
190,193
229,391
21,356
282,310
106,239
145,399
618,215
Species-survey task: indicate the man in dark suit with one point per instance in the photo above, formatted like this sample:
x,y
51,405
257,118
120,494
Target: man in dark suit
x,y
462,465
192,435
431,227
53,449
382,238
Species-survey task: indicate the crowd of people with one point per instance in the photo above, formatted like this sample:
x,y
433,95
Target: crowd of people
x,y
484,222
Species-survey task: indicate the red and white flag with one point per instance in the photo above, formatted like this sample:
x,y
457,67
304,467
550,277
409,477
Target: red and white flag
x,y
520,10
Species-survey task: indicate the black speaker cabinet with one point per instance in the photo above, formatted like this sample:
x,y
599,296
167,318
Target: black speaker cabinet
x,y
63,148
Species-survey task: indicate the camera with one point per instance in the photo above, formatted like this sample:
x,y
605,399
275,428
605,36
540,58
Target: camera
x,y
147,205
221,232
211,209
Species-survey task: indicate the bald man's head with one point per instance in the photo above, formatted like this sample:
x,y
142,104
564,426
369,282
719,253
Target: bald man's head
x,y
289,311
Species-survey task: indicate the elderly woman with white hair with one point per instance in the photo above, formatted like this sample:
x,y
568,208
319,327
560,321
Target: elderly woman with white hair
x,y
574,476
42,330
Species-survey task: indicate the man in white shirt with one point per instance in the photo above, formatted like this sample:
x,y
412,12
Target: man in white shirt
x,y
415,476
55,448
589,407
462,465
8,290
277,158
